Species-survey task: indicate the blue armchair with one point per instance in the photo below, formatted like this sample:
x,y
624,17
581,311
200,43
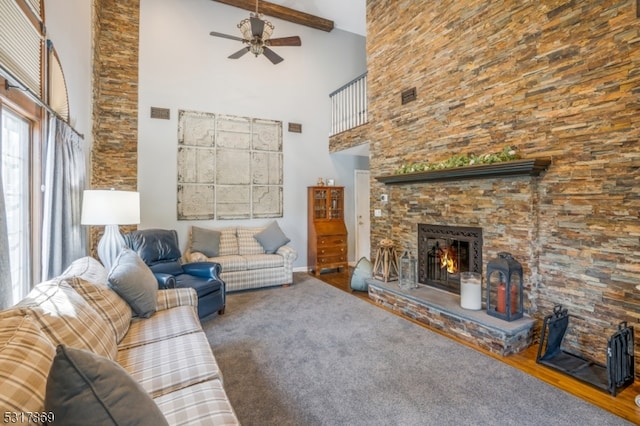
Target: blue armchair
x,y
159,249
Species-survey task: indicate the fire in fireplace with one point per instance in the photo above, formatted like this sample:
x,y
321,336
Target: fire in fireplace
x,y
450,256
444,252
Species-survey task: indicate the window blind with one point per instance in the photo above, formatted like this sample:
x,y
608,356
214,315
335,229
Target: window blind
x,y
36,6
58,97
20,45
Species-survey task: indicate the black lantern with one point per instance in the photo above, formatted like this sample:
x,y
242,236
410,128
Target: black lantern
x,y
504,287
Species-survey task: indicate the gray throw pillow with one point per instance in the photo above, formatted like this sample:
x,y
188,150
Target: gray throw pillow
x,y
205,241
86,388
272,238
134,282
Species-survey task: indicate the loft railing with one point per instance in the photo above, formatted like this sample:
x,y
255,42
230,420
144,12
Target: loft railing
x,y
349,105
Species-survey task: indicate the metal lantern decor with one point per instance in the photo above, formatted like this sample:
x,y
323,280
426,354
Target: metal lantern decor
x,y
505,287
408,271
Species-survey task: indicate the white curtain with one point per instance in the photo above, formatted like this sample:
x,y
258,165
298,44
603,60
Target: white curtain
x,y
64,239
6,290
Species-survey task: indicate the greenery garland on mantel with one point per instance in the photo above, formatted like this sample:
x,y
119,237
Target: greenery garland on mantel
x,y
508,153
514,167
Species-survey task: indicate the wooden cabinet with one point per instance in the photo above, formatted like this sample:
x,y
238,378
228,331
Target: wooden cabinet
x,y
327,233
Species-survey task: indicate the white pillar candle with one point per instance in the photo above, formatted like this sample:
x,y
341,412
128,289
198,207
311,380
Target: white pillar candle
x,y
471,290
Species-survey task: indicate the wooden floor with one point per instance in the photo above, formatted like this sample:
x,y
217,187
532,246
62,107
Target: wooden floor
x,y
622,405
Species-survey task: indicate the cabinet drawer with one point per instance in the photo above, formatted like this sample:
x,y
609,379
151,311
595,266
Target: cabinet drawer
x,y
331,240
332,250
326,260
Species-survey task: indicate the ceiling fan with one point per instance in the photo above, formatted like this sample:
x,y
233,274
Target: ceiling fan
x,y
256,34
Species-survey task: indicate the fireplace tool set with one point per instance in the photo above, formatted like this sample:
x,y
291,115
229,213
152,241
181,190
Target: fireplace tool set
x,y
617,374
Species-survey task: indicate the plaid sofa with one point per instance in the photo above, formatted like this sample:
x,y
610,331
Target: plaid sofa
x,y
245,265
168,354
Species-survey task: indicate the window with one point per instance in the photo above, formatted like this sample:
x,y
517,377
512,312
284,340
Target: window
x,y
31,84
16,137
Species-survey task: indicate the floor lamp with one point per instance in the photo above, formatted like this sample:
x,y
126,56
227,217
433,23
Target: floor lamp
x,y
110,208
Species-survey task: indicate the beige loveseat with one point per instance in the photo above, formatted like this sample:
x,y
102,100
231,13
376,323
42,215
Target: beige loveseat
x,y
74,334
246,261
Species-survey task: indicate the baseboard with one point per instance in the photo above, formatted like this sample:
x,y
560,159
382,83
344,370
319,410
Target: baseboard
x,y
305,269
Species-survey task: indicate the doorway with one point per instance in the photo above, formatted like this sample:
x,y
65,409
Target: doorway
x,y
363,218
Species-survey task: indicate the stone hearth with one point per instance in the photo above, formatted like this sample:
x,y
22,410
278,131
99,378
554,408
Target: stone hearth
x,y
441,310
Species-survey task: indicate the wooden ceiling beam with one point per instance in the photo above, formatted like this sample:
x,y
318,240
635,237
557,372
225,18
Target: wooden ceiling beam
x,y
282,12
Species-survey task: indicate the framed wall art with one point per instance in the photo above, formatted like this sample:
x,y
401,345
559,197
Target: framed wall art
x,y
229,167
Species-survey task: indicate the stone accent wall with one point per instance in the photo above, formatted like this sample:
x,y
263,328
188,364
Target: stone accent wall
x,y
556,79
349,139
114,155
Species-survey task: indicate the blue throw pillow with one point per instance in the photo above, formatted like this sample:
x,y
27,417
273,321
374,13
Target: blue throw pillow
x,y
86,388
134,282
271,238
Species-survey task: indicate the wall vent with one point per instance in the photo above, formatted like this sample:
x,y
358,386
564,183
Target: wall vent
x,y
295,127
409,95
162,113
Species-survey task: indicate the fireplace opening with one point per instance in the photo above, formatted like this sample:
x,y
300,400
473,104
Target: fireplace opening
x,y
444,252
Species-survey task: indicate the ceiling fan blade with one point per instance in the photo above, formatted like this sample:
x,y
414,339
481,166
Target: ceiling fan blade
x,y
284,41
215,34
272,56
239,53
257,26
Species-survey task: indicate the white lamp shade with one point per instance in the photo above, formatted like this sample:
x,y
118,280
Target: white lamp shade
x,y
104,207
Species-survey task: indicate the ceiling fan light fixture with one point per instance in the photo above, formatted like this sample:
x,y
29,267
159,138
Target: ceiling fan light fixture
x,y
256,34
247,32
268,30
245,29
256,49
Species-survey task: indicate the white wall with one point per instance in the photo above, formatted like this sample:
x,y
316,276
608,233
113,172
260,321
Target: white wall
x,y
68,26
183,67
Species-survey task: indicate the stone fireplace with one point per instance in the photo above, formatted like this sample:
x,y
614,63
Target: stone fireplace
x,y
444,252
438,245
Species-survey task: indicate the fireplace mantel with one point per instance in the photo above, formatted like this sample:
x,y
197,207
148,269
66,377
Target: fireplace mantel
x,y
524,167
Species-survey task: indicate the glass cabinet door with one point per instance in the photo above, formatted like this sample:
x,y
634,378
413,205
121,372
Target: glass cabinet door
x,y
328,203
336,207
320,204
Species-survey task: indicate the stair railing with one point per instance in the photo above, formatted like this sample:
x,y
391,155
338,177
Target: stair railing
x,y
349,105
